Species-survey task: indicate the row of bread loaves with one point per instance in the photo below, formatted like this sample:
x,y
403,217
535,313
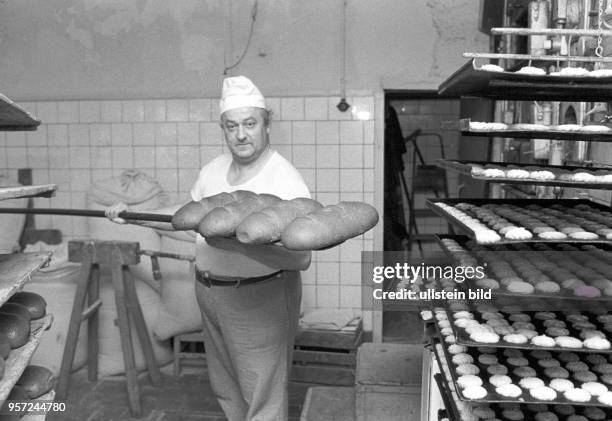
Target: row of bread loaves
x,y
301,223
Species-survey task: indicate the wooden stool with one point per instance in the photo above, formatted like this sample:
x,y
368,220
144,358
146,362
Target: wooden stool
x,y
118,255
197,337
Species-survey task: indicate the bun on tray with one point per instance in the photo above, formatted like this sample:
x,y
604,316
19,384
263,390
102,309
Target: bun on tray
x,y
329,225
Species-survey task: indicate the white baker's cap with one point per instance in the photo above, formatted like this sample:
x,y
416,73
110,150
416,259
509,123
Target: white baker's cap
x,y
240,92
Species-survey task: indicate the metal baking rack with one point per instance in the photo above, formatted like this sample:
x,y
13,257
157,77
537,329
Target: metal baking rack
x,y
470,80
492,396
431,203
465,167
547,132
463,338
446,390
536,301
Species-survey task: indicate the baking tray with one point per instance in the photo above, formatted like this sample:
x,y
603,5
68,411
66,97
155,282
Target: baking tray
x,y
494,397
463,338
13,117
431,203
537,301
469,80
465,167
528,412
551,133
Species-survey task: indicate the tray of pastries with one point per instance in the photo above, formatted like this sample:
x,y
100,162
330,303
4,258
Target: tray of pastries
x,y
554,175
537,271
488,374
529,83
551,331
588,132
534,220
514,411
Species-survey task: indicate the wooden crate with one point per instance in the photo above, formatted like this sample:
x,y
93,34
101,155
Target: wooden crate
x,y
327,403
388,382
326,357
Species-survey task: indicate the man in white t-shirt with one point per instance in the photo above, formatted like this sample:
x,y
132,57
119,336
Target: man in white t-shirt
x,y
249,295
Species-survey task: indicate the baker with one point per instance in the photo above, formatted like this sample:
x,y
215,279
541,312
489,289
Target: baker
x,y
249,295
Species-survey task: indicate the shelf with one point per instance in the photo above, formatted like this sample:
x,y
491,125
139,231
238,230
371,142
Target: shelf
x,y
45,190
16,269
446,391
563,300
13,117
470,80
518,202
465,167
19,358
463,338
46,398
551,32
525,397
550,133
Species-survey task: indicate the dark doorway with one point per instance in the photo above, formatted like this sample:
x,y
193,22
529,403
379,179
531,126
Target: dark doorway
x,y
420,128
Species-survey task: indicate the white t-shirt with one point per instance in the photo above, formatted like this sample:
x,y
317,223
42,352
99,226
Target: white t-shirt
x,y
276,177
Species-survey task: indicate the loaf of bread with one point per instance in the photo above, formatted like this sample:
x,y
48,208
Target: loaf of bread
x,y
36,381
267,225
34,303
17,395
223,221
17,309
15,329
329,226
5,348
189,216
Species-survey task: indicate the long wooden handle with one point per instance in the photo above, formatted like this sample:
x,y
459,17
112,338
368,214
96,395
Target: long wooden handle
x,y
139,216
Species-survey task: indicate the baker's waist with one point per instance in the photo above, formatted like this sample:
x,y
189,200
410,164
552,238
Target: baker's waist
x,y
209,279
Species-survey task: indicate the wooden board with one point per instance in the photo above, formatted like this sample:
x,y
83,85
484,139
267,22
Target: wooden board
x,y
46,190
46,398
324,403
102,251
16,269
19,358
333,339
389,364
13,117
323,374
323,357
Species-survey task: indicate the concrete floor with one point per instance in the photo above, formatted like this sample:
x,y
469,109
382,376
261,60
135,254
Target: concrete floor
x,y
185,398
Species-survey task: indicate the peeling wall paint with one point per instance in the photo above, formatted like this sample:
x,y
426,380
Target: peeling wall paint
x,y
107,49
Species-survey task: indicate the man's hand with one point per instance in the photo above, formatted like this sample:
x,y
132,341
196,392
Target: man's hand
x,y
113,212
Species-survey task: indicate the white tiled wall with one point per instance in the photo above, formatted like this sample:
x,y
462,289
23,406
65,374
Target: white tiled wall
x,y
81,142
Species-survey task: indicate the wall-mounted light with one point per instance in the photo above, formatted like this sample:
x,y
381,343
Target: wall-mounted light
x,y
343,105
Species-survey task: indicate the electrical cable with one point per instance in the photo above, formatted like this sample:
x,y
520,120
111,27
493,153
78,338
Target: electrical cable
x,y
248,43
343,61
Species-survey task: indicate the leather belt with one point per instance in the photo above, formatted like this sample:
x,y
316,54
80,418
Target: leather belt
x,y
207,279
